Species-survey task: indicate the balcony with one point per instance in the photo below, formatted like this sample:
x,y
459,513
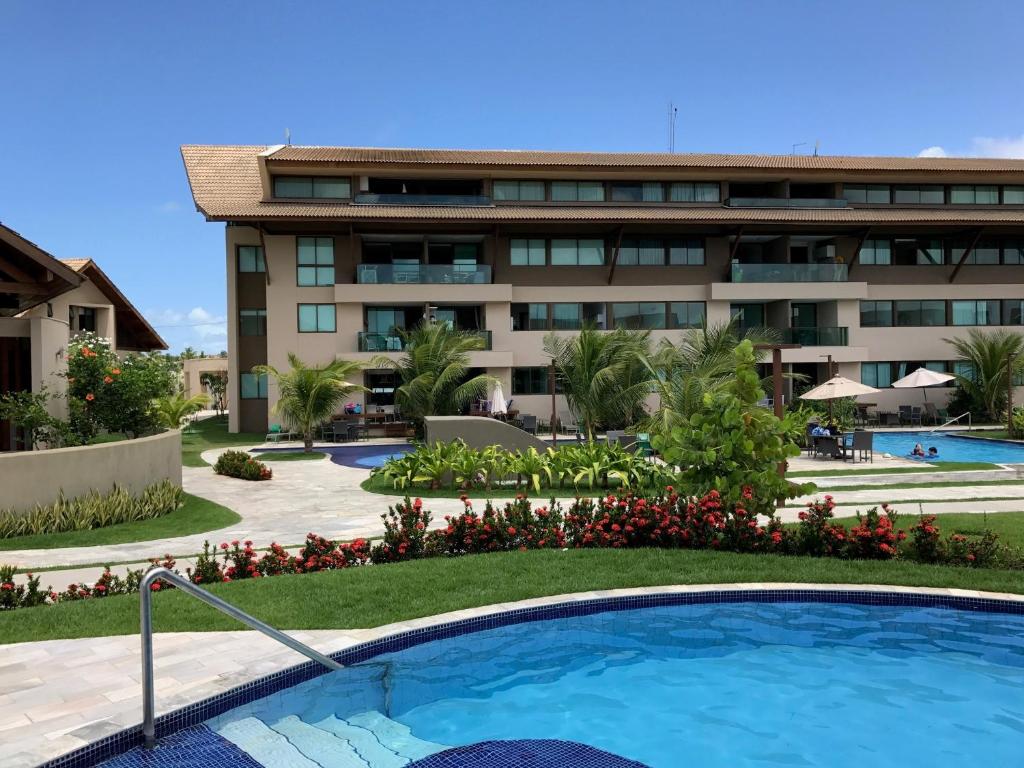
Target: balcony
x,y
377,198
785,202
423,274
816,337
385,342
789,273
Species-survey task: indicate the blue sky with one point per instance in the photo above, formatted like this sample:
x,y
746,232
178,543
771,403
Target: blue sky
x,y
97,98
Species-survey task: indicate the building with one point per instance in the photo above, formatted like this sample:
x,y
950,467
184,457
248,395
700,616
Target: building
x,y
873,261
192,371
43,303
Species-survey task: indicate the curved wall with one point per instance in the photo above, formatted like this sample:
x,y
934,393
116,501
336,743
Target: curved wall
x,y
480,432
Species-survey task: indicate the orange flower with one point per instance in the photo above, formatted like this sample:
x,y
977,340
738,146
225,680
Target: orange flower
x,y
90,397
107,380
116,371
85,351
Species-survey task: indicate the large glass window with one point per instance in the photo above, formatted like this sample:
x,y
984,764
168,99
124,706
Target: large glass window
x,y
980,312
253,386
686,314
527,252
252,322
876,252
974,194
689,253
748,315
637,192
877,375
985,252
577,252
876,314
82,318
920,194
529,317
577,191
315,261
694,192
867,193
533,380
317,318
916,251
642,252
312,186
920,313
1013,312
566,317
1013,195
250,259
1013,252
506,189
645,315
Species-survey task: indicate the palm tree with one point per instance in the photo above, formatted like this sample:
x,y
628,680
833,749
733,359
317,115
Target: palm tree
x,y
601,374
434,371
989,355
309,394
172,410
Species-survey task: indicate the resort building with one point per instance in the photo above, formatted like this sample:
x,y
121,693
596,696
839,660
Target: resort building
x,y
44,302
870,262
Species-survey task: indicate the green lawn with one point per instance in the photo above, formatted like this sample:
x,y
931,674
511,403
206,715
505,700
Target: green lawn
x,y
1008,525
196,515
296,456
213,433
933,484
988,434
369,597
946,466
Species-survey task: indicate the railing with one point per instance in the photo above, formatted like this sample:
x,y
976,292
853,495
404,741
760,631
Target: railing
x,y
816,337
146,627
386,342
785,202
419,274
789,273
373,198
954,421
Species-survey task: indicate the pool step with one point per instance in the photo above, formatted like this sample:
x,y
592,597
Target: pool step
x,y
365,742
264,744
327,748
395,736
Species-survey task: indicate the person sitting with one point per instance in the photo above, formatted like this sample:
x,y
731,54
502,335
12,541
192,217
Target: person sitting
x,y
933,452
918,451
833,429
820,431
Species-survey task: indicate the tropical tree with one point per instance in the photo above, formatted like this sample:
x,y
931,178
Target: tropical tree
x,y
217,383
172,410
602,374
309,394
988,354
434,372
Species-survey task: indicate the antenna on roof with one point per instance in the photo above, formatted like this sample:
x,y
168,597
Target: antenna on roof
x,y
288,136
798,144
672,113
817,146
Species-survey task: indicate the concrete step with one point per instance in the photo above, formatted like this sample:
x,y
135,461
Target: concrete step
x,y
327,748
395,736
265,745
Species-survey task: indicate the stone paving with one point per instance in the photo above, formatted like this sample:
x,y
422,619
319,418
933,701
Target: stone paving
x,y
58,695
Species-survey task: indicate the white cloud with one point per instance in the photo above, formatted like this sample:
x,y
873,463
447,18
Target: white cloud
x,y
198,328
171,206
982,146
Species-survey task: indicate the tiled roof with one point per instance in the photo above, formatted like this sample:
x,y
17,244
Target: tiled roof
x,y
76,264
225,183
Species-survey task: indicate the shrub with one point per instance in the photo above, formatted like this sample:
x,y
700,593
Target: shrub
x,y
93,510
241,465
405,532
817,535
982,552
925,541
875,537
13,595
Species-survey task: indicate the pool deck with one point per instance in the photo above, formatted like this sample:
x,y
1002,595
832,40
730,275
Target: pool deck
x,y
58,695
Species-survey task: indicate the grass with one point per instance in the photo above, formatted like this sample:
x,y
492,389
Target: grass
x,y
933,484
196,515
369,597
945,466
212,433
989,434
1008,525
286,456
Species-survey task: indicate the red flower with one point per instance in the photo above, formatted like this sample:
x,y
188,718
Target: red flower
x,y
511,531
107,380
116,371
90,397
155,586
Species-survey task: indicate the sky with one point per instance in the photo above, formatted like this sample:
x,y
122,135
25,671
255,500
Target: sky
x,y
98,97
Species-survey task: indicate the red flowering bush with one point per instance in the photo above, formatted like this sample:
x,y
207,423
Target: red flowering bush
x,y
405,532
925,541
320,554
241,465
27,595
817,535
875,537
982,552
517,525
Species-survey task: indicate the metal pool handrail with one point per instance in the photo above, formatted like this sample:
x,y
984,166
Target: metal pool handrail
x,y
954,421
157,573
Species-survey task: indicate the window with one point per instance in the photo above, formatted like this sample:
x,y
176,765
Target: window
x,y
974,194
642,252
250,259
82,318
867,193
529,317
920,313
876,252
505,189
912,251
876,314
317,318
252,322
750,315
686,314
315,261
985,252
1013,252
312,186
530,381
639,315
877,375
920,194
253,386
527,253
963,368
638,192
694,192
976,312
1013,195
566,317
577,252
689,253
1013,312
577,191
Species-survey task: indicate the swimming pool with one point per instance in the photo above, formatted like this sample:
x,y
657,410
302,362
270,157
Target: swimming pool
x,y
349,455
951,447
745,683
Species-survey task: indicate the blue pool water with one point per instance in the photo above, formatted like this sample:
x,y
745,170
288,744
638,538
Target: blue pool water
x,y
951,448
708,686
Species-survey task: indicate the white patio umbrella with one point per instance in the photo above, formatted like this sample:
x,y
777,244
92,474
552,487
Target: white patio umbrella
x,y
836,387
922,377
498,404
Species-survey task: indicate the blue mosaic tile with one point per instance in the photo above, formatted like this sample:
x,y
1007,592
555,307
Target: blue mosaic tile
x,y
195,747
527,753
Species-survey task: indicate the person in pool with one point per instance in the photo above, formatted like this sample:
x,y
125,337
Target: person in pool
x,y
918,451
933,452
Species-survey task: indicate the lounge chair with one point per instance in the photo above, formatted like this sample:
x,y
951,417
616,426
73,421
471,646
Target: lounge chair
x,y
643,445
934,414
613,436
568,424
278,433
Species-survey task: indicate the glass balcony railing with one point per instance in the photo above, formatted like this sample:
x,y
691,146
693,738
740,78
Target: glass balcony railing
x,y
789,273
434,274
388,342
785,202
815,337
373,198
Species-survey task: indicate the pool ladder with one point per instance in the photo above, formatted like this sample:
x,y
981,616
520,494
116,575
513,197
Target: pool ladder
x,y
954,421
159,573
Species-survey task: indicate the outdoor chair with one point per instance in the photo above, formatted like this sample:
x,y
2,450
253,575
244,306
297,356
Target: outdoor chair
x,y
568,424
910,415
628,442
643,445
278,433
358,431
862,444
613,436
934,414
827,447
809,438
339,431
529,423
